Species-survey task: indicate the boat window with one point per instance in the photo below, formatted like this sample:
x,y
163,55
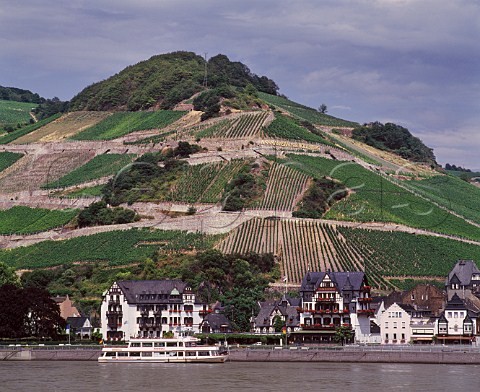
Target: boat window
x,y
110,354
135,344
203,353
157,354
159,344
190,353
172,353
134,354
180,344
171,344
146,354
147,344
123,354
180,354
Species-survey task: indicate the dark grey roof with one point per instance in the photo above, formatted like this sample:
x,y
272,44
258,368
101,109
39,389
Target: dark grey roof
x,y
134,289
463,269
76,322
455,303
311,281
407,307
289,311
216,320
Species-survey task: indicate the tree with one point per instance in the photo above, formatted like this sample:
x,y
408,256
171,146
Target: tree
x,y
343,334
278,323
322,108
8,275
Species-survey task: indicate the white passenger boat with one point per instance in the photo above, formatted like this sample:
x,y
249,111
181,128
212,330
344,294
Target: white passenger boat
x,y
177,349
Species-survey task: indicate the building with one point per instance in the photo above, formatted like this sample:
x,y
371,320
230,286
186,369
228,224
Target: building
x,y
458,324
330,300
274,313
148,308
215,323
80,327
395,324
464,280
67,309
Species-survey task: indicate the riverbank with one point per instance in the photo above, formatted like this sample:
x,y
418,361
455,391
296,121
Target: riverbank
x,y
427,355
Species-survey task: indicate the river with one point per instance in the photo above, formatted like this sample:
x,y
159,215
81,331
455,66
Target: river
x,y
72,376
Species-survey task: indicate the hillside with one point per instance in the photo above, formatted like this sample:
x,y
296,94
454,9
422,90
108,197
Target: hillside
x,y
164,81
247,171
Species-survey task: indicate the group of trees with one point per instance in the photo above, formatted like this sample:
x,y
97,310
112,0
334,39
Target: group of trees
x,y
100,213
395,138
167,79
456,168
320,196
19,95
27,311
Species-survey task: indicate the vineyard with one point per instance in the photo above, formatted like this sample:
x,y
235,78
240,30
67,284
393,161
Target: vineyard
x,y
375,198
35,170
10,137
8,159
66,126
450,192
246,125
285,186
100,166
205,183
284,127
304,112
13,113
313,246
123,123
115,247
25,220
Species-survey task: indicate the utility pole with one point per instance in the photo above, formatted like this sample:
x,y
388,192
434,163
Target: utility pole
x,y
205,78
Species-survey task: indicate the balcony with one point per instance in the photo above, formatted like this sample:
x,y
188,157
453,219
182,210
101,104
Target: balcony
x,y
364,299
367,312
114,302
114,313
325,299
326,289
319,327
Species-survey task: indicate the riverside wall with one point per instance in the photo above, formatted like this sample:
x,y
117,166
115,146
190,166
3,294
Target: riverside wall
x,y
434,355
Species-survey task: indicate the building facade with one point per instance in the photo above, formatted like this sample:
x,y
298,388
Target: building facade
x,y
149,308
330,300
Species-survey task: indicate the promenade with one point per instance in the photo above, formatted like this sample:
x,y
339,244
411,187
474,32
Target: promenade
x,y
355,354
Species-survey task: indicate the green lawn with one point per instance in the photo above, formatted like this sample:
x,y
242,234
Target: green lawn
x,y
123,123
100,166
13,113
374,198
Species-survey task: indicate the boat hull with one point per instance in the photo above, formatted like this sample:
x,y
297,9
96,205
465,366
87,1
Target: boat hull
x,y
215,359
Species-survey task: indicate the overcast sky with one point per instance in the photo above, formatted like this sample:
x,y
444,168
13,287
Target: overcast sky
x,y
412,62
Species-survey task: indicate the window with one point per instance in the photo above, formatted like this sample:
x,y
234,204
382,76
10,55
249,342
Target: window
x,y
395,324
394,336
455,314
386,336
386,324
403,324
449,314
403,336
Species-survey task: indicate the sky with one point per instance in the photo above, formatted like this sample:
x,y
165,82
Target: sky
x,y
415,63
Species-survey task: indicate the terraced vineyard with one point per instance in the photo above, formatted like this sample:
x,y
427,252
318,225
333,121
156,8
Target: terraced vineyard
x,y
7,159
246,125
375,198
25,220
450,192
115,247
123,123
64,127
205,183
285,187
305,113
13,113
35,170
308,245
10,137
104,165
284,127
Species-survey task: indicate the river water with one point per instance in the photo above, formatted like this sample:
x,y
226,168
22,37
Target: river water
x,y
71,376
